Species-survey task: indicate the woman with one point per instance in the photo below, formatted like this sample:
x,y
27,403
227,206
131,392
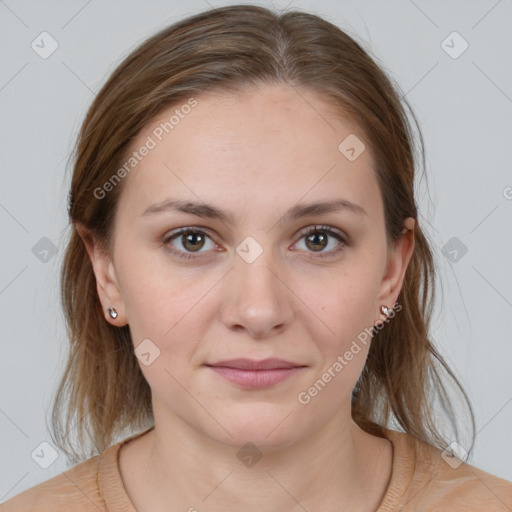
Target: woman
x,y
247,281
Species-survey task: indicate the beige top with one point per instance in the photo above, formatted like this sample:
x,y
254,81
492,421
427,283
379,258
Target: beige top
x,y
421,480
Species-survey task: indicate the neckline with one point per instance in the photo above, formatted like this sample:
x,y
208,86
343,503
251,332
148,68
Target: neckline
x,y
402,469
113,492
110,484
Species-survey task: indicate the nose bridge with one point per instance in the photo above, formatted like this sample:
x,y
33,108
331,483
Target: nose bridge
x,y
255,269
257,299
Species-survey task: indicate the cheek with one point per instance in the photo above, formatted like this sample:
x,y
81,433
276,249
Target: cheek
x,y
157,294
166,322
166,312
166,305
343,341
346,305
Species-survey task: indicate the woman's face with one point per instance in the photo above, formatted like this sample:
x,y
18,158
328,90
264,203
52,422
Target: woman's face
x,y
250,283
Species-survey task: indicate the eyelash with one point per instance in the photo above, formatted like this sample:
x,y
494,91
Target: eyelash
x,y
304,233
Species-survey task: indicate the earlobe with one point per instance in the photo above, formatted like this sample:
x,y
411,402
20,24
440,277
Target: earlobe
x,y
106,279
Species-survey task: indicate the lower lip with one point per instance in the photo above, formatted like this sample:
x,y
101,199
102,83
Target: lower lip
x,y
255,378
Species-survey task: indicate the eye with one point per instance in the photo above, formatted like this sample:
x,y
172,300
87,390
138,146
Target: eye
x,y
191,240
317,239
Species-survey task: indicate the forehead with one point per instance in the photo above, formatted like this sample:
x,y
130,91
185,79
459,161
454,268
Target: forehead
x,y
271,145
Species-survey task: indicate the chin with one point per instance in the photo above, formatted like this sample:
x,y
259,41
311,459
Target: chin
x,y
268,427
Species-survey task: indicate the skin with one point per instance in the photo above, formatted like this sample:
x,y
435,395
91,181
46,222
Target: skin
x,y
255,154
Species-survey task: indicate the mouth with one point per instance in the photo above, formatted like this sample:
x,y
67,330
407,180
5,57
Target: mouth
x,y
255,374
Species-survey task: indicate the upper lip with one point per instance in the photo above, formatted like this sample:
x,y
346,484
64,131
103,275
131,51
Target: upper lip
x,y
252,364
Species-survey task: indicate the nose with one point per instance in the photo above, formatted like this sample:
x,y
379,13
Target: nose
x,y
256,298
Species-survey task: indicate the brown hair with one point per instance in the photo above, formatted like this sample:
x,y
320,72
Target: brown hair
x,y
228,49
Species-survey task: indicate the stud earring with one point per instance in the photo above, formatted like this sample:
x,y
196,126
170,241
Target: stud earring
x,y
112,312
384,310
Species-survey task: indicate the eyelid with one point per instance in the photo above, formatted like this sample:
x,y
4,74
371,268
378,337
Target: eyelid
x,y
329,229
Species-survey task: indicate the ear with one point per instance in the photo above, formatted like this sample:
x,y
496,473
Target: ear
x,y
107,284
399,256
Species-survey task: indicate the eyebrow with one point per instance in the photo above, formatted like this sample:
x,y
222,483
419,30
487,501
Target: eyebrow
x,y
211,212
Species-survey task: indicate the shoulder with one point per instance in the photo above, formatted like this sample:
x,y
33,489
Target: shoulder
x,y
94,485
73,490
435,481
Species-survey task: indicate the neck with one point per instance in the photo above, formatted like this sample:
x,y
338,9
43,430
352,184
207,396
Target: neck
x,y
338,467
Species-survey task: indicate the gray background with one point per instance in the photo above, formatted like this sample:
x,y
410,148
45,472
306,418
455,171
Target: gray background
x,y
464,107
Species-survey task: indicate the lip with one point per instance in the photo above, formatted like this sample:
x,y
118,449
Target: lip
x,y
253,374
252,364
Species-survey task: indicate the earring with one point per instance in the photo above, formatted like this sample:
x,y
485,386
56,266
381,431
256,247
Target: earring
x,y
112,312
384,310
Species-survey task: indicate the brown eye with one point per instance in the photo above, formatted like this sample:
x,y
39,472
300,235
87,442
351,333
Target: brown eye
x,y
187,241
193,241
317,238
317,241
